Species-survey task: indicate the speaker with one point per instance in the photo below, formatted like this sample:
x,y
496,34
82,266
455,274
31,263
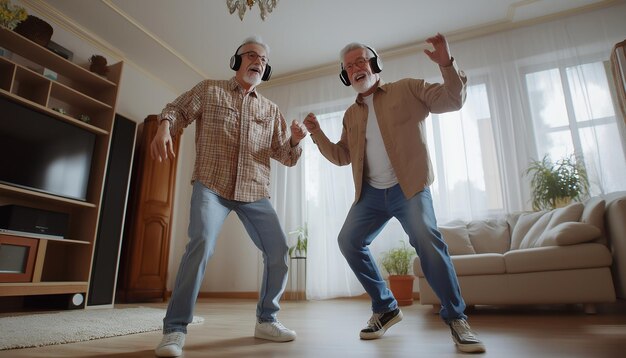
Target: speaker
x,y
63,301
235,63
31,220
376,64
112,215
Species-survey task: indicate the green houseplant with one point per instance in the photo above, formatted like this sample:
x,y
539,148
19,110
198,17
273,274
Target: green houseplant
x,y
302,239
397,262
555,184
11,15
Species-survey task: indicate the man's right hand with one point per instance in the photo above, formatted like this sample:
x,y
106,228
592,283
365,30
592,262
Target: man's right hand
x,y
162,144
311,123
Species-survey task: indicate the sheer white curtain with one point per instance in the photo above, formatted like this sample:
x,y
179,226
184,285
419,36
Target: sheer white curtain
x,y
329,193
532,91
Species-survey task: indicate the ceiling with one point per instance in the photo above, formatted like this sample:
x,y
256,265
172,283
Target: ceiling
x,y
182,42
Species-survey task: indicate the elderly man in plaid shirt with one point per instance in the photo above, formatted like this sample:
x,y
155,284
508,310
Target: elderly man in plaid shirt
x,y
237,132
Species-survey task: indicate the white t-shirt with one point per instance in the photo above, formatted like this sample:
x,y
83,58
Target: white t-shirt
x,y
378,170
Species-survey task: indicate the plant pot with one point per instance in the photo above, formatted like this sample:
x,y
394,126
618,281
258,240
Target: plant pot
x,y
36,30
402,288
98,64
562,202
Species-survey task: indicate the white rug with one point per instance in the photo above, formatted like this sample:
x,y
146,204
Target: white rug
x,y
78,325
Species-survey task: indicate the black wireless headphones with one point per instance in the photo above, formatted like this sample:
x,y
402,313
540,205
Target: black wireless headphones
x,y
376,64
235,63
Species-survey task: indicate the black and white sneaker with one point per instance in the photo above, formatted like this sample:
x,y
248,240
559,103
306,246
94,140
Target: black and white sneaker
x,y
464,338
379,323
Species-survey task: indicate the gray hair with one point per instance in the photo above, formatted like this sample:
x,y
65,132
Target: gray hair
x,y
255,39
353,46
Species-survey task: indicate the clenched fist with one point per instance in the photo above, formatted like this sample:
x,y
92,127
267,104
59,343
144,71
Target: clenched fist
x,y
311,123
298,132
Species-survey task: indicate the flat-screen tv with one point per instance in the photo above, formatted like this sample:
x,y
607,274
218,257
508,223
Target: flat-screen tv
x,y
42,153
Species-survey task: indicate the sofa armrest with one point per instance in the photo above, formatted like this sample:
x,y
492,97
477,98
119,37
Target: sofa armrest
x,y
552,258
615,223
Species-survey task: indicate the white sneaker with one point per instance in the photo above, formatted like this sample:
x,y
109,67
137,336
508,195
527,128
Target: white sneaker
x,y
171,345
464,338
274,331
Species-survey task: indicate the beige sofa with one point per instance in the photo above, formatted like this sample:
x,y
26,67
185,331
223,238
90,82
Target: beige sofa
x,y
571,255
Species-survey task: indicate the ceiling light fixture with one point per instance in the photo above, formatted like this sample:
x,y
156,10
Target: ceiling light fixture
x,y
266,6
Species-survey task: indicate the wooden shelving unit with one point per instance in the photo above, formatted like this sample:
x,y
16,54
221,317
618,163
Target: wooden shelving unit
x,y
61,266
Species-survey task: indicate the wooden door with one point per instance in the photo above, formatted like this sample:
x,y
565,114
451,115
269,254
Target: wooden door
x,y
145,251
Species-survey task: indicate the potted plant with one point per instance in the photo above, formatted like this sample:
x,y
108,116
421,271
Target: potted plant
x,y
11,15
397,262
98,64
556,184
35,29
302,238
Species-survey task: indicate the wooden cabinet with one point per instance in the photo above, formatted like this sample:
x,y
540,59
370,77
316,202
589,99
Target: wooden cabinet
x,y
146,245
17,258
61,266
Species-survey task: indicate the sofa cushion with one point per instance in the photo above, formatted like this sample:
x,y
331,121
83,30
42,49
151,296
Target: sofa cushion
x,y
522,225
593,214
465,265
548,258
457,239
511,219
490,235
568,233
548,221
479,264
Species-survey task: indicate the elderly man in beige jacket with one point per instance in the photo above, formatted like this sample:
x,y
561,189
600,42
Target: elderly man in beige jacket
x,y
384,138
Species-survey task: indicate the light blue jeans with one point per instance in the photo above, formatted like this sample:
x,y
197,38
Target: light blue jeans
x,y
367,218
208,212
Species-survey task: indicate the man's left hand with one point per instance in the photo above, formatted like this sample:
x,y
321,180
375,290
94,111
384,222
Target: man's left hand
x,y
441,52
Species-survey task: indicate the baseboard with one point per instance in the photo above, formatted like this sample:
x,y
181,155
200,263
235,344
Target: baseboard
x,y
250,295
255,295
243,295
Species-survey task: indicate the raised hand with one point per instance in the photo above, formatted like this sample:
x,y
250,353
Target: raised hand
x,y
311,123
298,132
441,53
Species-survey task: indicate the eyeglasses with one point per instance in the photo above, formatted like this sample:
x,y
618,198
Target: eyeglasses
x,y
361,61
252,56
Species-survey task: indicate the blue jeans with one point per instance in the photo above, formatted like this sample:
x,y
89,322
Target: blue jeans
x,y
208,212
367,218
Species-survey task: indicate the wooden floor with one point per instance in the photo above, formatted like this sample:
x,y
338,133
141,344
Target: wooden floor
x,y
330,329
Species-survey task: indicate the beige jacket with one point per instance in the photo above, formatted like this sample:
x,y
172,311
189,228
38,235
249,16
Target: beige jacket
x,y
401,108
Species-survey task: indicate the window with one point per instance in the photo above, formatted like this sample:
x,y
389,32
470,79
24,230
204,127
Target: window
x,y
573,113
463,151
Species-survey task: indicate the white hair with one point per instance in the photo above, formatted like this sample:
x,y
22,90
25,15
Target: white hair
x,y
353,46
255,39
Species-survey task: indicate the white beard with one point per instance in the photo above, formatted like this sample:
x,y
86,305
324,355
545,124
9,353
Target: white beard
x,y
364,86
252,79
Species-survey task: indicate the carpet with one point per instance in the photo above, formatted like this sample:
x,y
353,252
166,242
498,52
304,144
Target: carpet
x,y
46,329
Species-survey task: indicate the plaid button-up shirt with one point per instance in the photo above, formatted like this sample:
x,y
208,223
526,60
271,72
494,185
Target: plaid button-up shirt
x,y
236,135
